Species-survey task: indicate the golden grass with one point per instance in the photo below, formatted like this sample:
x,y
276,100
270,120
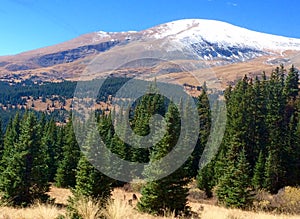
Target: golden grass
x,y
215,212
88,208
60,195
119,208
119,193
38,211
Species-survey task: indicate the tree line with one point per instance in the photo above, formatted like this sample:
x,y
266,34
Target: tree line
x,y
13,94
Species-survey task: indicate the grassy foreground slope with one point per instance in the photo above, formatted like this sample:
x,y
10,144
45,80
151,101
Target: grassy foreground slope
x,y
120,209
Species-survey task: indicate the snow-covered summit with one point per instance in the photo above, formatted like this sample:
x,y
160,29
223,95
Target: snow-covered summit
x,y
222,34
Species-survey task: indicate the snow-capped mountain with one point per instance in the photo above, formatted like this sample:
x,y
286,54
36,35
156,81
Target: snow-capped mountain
x,y
211,39
197,39
215,39
223,34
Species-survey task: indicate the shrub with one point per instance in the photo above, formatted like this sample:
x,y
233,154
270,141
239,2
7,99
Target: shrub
x,y
287,200
84,207
196,194
116,209
137,185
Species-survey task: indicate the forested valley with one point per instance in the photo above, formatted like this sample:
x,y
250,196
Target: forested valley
x,y
260,149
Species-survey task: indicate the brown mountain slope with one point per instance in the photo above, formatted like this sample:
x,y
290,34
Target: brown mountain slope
x,y
185,51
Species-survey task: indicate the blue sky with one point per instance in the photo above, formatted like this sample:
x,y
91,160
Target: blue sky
x,y
30,24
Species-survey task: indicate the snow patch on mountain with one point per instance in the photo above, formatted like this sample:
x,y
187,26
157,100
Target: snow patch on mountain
x,y
191,31
204,40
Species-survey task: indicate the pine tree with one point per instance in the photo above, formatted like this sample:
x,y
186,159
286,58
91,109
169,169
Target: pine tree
x,y
10,138
66,171
291,87
236,128
203,106
295,164
25,177
259,116
141,128
290,158
234,188
205,179
150,104
119,148
1,140
12,133
105,127
291,150
42,123
90,182
60,143
258,174
275,170
49,140
170,192
254,123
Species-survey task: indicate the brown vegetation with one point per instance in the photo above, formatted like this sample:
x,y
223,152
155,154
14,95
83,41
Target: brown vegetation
x,y
119,208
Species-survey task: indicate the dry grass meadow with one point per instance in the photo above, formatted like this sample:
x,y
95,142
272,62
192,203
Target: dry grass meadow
x,y
119,208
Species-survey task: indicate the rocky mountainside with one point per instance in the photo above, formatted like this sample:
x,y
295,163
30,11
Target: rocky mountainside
x,y
219,46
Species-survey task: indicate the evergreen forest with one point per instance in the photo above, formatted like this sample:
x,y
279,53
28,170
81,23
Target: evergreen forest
x,y
260,149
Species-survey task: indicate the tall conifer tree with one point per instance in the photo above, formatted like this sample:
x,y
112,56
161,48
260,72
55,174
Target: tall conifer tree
x,y
66,172
90,182
1,140
169,192
25,177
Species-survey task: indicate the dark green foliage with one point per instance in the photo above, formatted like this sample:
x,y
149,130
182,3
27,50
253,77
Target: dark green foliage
x,y
260,148
291,84
274,172
205,179
204,112
238,135
105,128
25,174
274,169
12,94
169,192
1,139
149,105
293,172
234,187
292,141
120,148
50,142
258,174
89,181
66,171
262,118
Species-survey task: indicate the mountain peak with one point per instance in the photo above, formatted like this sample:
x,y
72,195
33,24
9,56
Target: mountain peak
x,y
218,44
222,33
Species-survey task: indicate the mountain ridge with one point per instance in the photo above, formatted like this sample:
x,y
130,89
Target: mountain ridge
x,y
218,42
